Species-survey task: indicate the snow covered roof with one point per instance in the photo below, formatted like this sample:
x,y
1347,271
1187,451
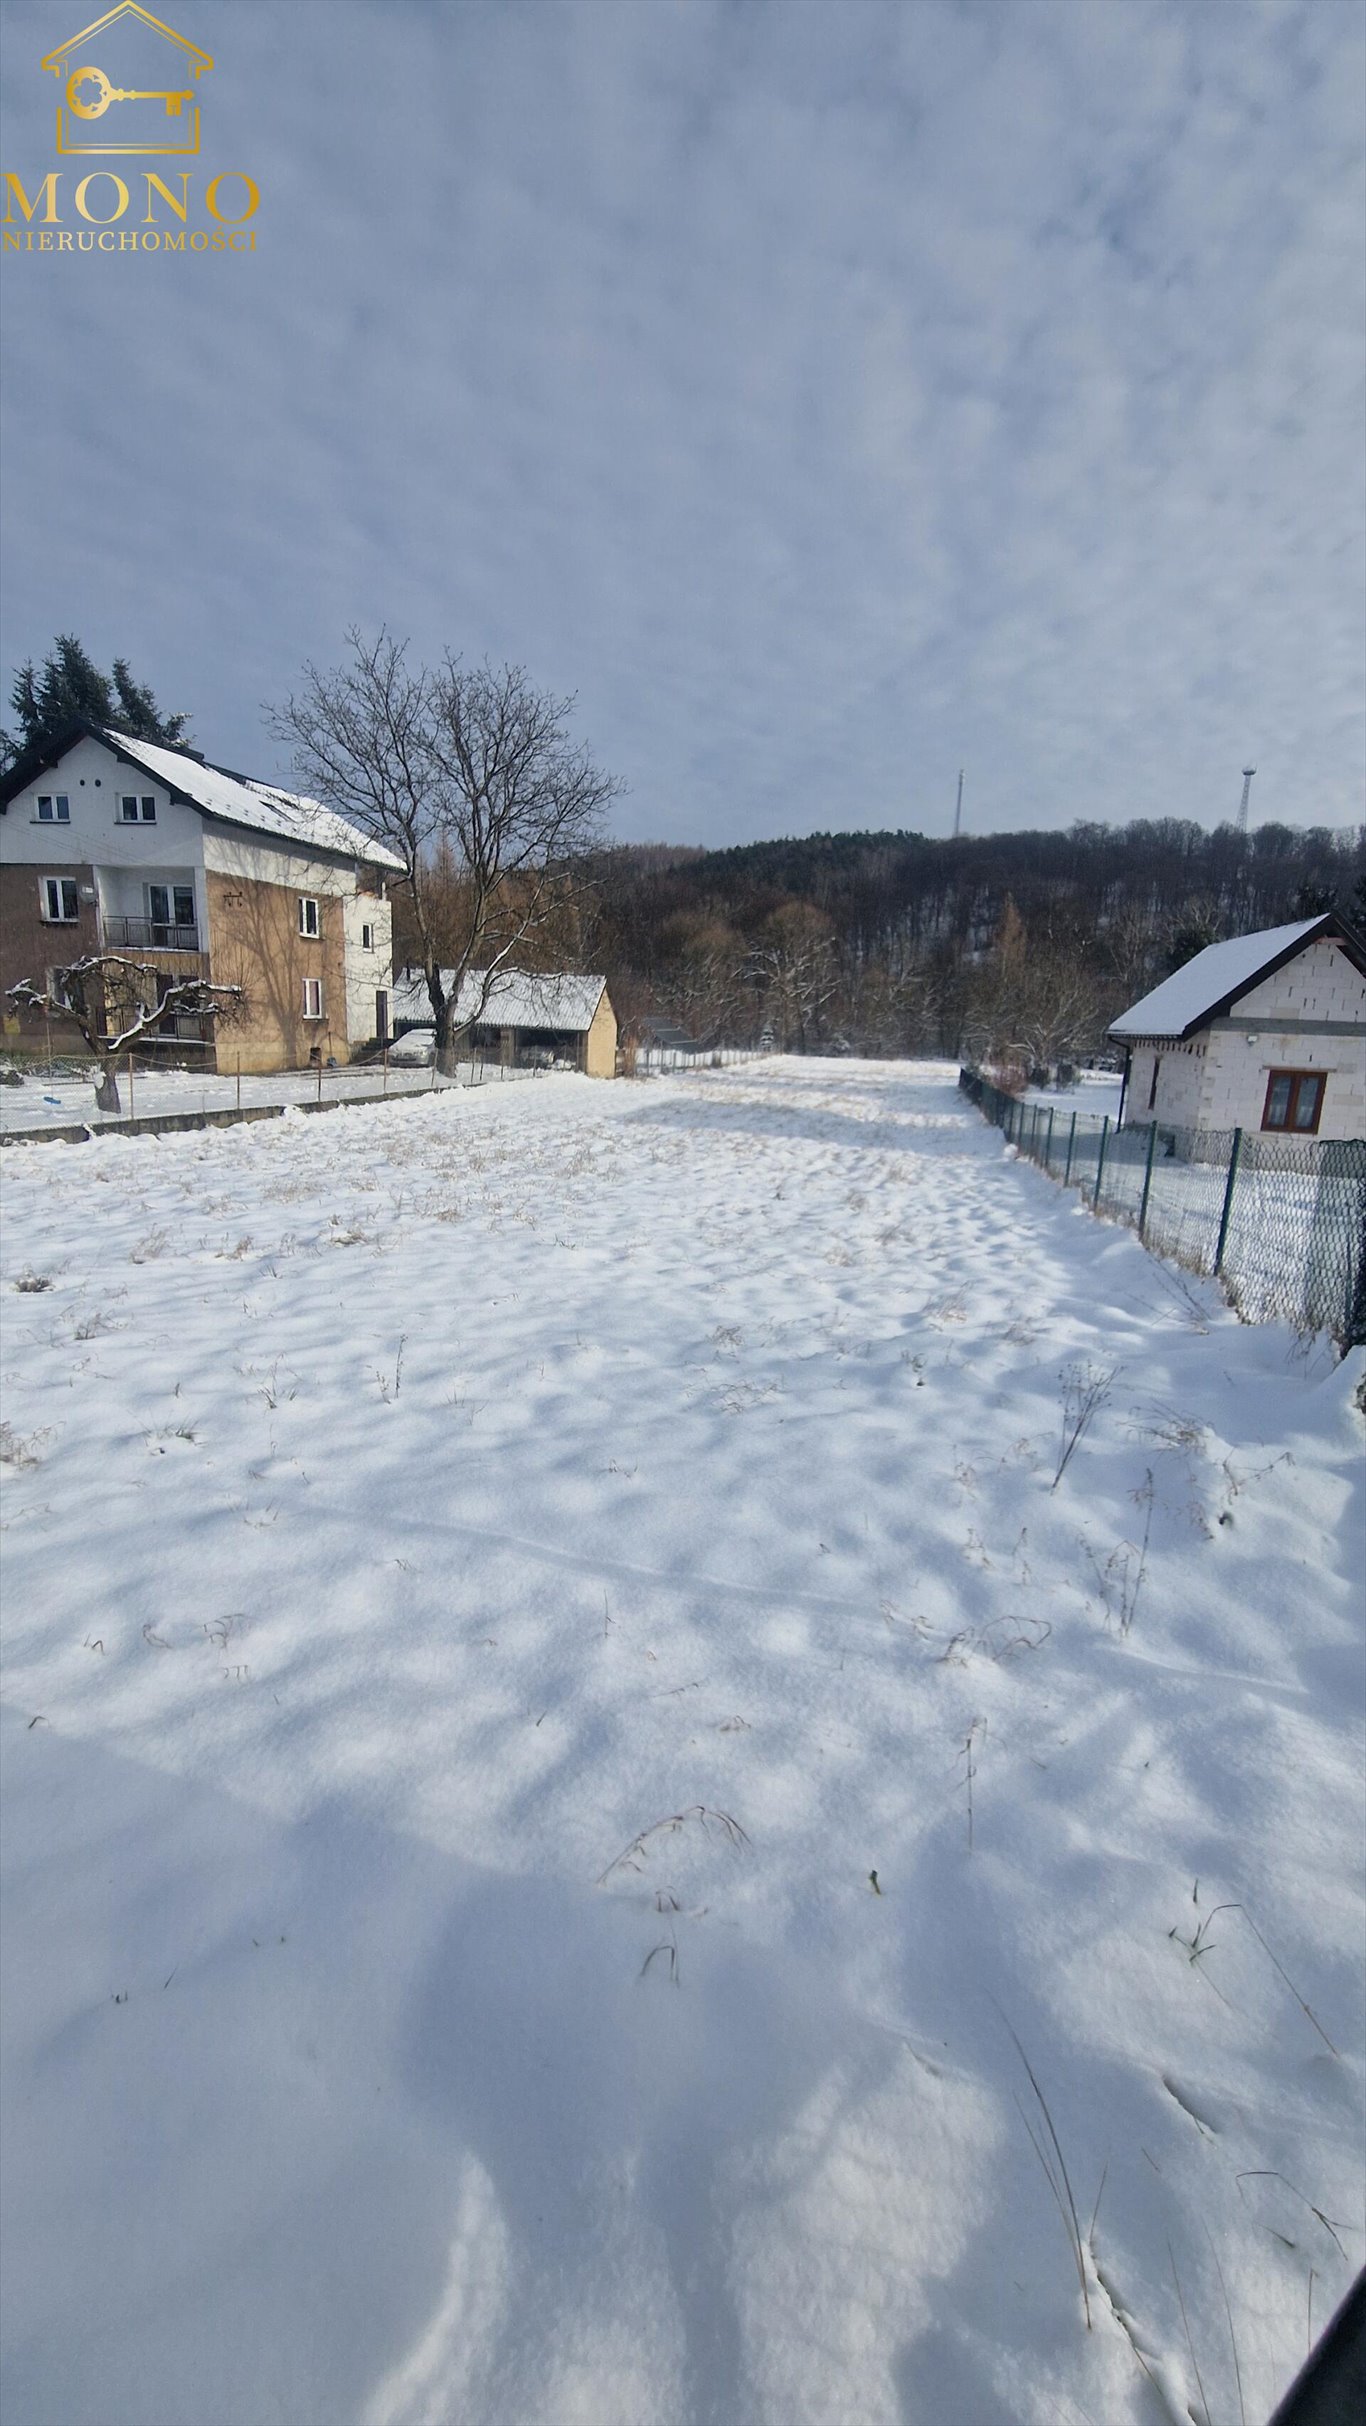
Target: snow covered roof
x,y
241,801
1208,984
516,999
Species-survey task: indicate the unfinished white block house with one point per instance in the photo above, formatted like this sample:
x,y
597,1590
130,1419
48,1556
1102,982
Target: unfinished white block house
x,y
111,844
1265,1032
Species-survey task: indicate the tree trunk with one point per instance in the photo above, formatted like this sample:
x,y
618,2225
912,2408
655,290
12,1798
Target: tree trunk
x,y
107,1089
443,1042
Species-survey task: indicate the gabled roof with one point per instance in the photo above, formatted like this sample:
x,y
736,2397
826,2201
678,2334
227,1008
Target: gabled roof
x,y
56,60
1208,986
237,800
516,999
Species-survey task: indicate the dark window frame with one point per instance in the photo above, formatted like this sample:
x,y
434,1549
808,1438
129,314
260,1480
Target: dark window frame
x,y
1294,1081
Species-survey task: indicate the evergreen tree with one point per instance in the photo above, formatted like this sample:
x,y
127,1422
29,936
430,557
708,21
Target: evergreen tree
x,y
69,685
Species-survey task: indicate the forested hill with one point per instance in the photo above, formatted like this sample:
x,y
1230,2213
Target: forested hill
x,y
895,942
868,881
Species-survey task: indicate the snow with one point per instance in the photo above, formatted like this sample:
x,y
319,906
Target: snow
x,y
1094,1095
408,1512
1185,1000
516,999
241,801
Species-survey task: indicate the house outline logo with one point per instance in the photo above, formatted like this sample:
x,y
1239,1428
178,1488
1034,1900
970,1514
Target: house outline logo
x,y
89,93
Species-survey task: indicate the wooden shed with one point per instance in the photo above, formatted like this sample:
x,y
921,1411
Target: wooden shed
x,y
524,1017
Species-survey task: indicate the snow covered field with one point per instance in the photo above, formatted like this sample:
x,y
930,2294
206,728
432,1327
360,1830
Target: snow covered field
x,y
561,1751
1096,1092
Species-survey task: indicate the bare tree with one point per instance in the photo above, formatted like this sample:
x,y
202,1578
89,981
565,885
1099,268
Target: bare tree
x,y
114,1002
703,980
794,961
469,774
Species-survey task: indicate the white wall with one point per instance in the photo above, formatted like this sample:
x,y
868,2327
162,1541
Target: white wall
x,y
1178,1084
1321,999
367,971
1239,1065
93,778
1319,983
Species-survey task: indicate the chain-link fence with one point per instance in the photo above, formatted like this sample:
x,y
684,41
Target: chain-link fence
x,y
1281,1220
669,1060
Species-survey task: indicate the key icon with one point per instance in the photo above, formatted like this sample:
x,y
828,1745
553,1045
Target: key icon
x,y
103,92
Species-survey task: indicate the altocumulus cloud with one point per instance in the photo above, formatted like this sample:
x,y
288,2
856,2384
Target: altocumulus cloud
x,y
826,394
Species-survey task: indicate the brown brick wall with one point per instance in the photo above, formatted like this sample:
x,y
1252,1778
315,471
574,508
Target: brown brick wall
x,y
254,942
29,947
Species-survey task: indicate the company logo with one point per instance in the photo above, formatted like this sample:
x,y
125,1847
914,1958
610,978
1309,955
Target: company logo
x,y
127,89
94,118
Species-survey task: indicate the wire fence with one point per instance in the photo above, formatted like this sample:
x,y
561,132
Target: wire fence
x,y
669,1060
1280,1220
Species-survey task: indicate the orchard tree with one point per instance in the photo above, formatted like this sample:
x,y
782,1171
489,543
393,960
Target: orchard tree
x,y
470,775
115,1002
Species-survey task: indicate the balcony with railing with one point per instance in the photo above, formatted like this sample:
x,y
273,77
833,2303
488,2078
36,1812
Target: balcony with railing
x,y
148,935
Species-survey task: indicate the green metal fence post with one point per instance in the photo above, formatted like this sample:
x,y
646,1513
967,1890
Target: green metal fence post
x,y
1048,1142
1071,1141
1147,1179
1100,1160
1228,1199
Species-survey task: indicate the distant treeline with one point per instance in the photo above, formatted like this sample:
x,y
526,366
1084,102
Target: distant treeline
x,y
1020,946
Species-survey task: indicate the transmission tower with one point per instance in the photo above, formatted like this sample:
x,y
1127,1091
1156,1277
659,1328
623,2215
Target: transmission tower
x,y
1248,773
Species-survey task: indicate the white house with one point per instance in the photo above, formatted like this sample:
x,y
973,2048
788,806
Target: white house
x,y
113,844
1263,1032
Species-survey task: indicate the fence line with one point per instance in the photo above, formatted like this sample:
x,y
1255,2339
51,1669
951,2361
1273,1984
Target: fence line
x,y
1281,1221
671,1059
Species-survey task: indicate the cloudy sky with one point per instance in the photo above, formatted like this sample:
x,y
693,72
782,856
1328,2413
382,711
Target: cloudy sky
x,y
828,392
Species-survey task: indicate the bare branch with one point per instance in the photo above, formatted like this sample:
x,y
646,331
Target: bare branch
x,y
469,774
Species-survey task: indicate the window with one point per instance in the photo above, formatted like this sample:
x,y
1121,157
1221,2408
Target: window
x,y
60,900
54,808
367,939
1152,1091
171,907
134,812
310,920
1294,1100
313,998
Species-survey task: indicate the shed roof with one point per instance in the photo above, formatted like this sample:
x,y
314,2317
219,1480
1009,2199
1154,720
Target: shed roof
x,y
1210,983
516,999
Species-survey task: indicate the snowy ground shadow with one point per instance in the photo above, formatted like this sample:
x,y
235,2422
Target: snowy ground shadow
x,y
325,2038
